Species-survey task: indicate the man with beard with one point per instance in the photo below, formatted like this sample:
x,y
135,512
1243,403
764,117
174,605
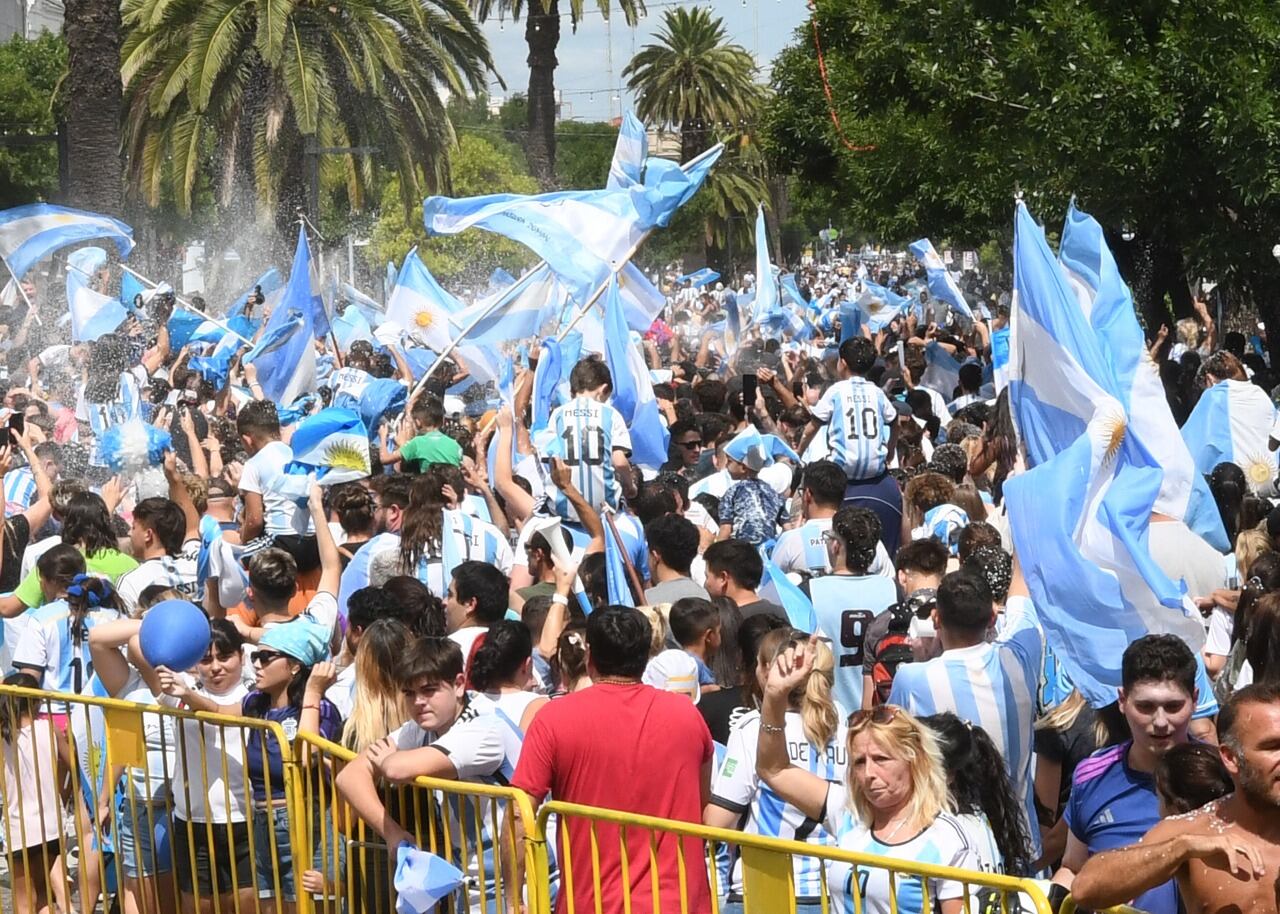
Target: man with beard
x,y
1226,855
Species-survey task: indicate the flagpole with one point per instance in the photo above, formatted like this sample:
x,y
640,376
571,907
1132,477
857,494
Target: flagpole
x,y
21,291
186,304
633,577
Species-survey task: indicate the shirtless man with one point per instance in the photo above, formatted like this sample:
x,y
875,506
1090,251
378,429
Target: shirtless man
x,y
1225,856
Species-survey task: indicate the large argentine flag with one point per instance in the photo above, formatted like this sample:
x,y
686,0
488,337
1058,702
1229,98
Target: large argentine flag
x,y
516,312
942,285
1108,306
420,306
1231,423
1080,514
28,234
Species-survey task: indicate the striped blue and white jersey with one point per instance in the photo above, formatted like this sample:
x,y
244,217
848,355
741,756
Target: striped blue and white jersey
x,y
992,685
126,405
739,789
859,417
348,386
49,644
19,490
586,433
475,540
845,605
945,843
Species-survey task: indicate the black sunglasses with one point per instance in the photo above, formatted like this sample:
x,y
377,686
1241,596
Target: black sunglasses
x,y
689,443
262,658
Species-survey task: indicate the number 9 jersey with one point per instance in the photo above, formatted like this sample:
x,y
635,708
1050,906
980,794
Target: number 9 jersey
x,y
859,417
586,433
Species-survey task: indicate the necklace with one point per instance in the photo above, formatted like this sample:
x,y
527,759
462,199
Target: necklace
x,y
896,829
614,680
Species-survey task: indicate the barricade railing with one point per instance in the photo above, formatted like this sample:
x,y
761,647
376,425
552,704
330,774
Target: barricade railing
x,y
467,824
1069,906
108,803
643,864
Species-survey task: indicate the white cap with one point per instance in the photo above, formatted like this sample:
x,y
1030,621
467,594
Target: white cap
x,y
777,476
453,405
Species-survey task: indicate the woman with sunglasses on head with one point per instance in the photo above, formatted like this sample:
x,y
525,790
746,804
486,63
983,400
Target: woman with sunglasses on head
x,y
291,676
815,742
893,801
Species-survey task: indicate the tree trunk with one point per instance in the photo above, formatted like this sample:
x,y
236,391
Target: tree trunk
x,y
692,140
93,92
542,34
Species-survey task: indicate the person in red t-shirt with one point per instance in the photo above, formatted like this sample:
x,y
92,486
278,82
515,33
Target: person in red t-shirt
x,y
626,746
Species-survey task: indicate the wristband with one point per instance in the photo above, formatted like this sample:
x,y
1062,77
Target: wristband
x,y
559,599
770,728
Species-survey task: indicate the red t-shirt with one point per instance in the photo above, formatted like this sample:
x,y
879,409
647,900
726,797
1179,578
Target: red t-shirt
x,y
632,748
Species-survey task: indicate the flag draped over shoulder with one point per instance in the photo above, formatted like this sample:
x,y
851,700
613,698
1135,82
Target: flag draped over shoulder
x,y
1108,306
1231,423
942,285
285,354
28,234
1080,514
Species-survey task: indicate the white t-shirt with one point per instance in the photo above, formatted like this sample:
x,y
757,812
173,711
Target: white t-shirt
x,y
225,797
281,515
175,571
466,637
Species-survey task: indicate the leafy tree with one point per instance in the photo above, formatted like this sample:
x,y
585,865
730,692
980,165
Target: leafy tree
x,y
585,149
480,165
1157,115
29,74
239,88
542,35
694,80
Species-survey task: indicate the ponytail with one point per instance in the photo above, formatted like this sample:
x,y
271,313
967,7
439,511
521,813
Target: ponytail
x,y
86,593
817,709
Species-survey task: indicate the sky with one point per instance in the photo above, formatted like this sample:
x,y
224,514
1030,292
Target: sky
x,y
587,80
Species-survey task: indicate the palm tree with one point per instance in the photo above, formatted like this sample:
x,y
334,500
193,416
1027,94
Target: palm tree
x,y
92,93
694,80
238,92
542,35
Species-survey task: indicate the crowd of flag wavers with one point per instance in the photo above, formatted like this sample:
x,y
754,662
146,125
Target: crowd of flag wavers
x,y
867,553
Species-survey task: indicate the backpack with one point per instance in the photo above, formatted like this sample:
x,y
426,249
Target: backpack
x,y
893,650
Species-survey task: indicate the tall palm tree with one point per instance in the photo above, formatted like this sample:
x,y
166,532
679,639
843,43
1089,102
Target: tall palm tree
x,y
542,35
93,105
694,80
240,91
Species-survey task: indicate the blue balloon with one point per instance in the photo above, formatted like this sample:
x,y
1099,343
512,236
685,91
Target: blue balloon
x,y
174,633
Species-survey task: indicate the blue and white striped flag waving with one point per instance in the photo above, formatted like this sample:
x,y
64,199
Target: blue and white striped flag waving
x,y
1079,515
629,154
942,285
28,234
333,444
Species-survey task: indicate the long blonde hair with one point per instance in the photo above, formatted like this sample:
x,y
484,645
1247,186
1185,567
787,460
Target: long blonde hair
x,y
902,735
818,712
1249,545
379,707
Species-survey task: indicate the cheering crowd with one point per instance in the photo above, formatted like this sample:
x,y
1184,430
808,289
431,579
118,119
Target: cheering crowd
x,y
808,623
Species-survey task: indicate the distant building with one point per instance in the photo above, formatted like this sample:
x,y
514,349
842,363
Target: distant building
x,y
29,18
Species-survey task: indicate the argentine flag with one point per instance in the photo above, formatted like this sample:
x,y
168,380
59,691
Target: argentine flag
x,y
768,306
699,278
420,306
615,568
1232,422
1107,304
28,234
1080,514
333,444
942,285
94,314
632,390
515,312
285,354
629,154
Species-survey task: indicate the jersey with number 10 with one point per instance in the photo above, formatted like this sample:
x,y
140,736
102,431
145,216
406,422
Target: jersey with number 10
x,y
859,416
587,433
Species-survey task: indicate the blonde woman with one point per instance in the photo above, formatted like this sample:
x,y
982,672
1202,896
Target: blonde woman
x,y
378,706
893,801
815,744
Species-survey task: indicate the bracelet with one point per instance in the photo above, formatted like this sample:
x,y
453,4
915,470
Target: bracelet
x,y
308,707
770,728
559,599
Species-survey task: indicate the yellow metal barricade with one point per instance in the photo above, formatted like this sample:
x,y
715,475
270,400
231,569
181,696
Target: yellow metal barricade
x,y
149,809
657,866
467,824
1069,906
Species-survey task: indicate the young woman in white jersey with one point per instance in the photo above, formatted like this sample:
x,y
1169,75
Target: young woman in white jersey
x,y
893,802
502,671
815,742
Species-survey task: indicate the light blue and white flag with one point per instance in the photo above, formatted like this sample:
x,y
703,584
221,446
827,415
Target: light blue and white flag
x,y
632,390
420,306
546,378
515,312
130,288
629,154
30,233
378,398
942,370
582,235
352,325
82,264
615,569
285,354
268,282
851,317
768,304
641,299
215,366
881,305
93,314
499,279
798,607
1108,306
791,292
1231,423
333,444
372,308
1080,513
942,285
699,278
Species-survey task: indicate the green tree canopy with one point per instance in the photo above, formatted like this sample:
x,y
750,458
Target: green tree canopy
x,y
1160,116
29,74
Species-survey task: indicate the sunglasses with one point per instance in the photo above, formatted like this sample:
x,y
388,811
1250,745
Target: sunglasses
x,y
879,715
689,443
263,658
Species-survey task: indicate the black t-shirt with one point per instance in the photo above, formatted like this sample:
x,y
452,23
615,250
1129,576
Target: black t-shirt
x,y
16,537
1069,748
719,709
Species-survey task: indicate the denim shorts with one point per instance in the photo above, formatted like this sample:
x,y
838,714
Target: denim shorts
x,y
143,850
271,830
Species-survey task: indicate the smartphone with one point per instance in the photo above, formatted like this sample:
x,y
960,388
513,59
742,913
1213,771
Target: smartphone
x,y
749,391
17,425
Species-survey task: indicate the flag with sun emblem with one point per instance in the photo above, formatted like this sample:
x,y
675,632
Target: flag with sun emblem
x,y
1079,515
420,306
333,444
1231,423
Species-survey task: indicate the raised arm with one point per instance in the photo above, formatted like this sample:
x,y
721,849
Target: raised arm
x,y
179,495
802,789
330,557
